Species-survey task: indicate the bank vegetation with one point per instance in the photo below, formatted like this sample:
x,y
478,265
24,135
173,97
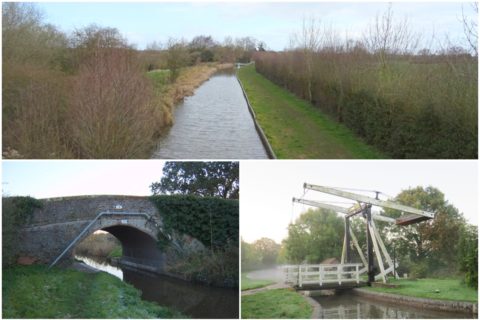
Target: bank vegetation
x,y
88,94
406,100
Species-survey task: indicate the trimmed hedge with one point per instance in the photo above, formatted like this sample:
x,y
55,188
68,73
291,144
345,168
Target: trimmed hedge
x,y
213,221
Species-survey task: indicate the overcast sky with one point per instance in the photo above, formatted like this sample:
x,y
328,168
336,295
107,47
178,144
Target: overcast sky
x,y
272,23
267,187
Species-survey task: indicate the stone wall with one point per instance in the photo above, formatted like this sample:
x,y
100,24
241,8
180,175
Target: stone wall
x,y
135,221
87,207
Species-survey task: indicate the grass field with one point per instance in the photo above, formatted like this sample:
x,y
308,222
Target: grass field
x,y
35,292
295,128
449,289
248,283
276,304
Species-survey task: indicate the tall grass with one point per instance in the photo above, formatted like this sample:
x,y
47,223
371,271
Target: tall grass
x,y
34,111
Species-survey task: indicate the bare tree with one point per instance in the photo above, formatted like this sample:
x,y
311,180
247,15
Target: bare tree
x,y
386,37
177,56
470,28
308,40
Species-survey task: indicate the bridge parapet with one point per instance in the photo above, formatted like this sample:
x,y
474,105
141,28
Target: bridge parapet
x,y
88,207
322,275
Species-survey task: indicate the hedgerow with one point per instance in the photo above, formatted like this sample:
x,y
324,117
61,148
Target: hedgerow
x,y
212,221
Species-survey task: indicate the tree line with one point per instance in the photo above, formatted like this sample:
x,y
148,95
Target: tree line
x,y
86,94
406,100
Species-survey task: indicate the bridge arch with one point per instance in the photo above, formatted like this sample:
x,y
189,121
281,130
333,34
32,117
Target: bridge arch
x,y
55,229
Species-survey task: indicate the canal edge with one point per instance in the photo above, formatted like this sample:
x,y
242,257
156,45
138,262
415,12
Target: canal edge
x,y
316,307
263,137
432,304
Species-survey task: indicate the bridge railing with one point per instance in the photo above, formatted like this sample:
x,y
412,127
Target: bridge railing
x,y
320,274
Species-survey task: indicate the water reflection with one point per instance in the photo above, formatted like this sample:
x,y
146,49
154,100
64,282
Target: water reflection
x,y
101,264
213,123
349,306
195,300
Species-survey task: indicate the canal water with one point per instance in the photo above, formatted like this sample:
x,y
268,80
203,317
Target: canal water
x,y
349,306
196,301
214,123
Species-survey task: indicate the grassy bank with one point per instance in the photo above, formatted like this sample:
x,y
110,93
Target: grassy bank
x,y
449,289
248,283
295,128
35,292
276,304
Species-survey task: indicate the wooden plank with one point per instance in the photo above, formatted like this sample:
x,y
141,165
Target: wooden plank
x,y
410,219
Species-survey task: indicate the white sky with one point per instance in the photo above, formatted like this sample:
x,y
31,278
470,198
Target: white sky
x,y
271,22
45,179
267,187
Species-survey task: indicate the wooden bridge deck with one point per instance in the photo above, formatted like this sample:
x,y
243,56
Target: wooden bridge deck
x,y
324,276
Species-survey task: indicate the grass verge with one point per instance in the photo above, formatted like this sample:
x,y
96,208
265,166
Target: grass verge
x,y
248,284
36,292
449,289
295,128
276,304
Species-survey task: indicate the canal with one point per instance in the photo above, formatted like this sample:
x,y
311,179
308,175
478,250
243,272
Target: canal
x,y
214,123
196,301
349,306
346,305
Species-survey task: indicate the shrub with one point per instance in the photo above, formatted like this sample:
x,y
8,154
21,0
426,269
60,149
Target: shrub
x,y
112,113
217,267
419,270
16,211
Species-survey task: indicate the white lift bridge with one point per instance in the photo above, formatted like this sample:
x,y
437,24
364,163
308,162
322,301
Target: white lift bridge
x,y
347,273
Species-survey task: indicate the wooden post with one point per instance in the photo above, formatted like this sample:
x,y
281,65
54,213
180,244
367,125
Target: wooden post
x,y
320,270
339,274
300,275
347,240
358,274
371,274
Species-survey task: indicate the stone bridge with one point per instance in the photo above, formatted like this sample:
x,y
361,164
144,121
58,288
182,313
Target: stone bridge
x,y
64,222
